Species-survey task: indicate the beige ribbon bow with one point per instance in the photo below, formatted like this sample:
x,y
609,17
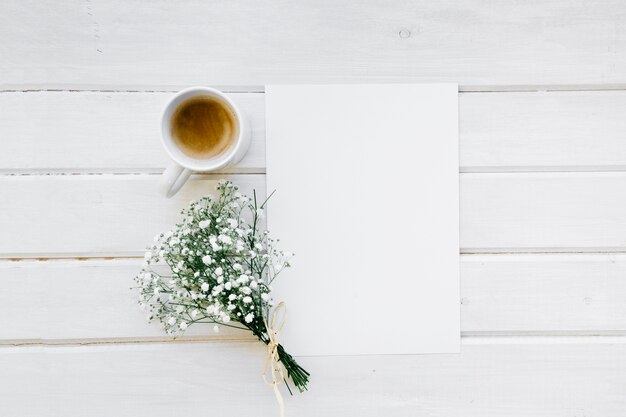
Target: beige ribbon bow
x,y
272,361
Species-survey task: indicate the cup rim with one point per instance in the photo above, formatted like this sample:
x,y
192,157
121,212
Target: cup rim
x,y
194,164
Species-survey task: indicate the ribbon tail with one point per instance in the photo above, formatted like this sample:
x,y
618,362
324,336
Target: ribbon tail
x,y
279,399
273,358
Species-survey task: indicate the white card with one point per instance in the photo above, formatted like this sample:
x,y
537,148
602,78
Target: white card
x,y
367,197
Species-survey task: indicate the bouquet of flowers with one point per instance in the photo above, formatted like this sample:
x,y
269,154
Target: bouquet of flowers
x,y
220,270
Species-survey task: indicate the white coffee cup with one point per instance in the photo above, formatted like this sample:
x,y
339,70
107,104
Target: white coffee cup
x,y
179,171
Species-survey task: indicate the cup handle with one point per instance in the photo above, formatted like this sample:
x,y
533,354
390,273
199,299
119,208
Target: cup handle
x,y
173,179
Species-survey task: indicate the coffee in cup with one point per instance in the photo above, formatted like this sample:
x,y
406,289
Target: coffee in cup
x,y
202,130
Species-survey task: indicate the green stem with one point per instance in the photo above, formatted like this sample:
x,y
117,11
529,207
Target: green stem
x,y
297,373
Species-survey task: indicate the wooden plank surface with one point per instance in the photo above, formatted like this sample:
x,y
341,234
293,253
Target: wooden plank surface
x,y
508,212
543,294
105,290
95,215
562,212
532,131
543,131
534,179
91,132
539,294
575,378
124,43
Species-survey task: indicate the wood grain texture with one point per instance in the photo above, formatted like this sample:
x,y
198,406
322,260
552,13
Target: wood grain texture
x,y
572,379
130,45
543,131
91,132
543,294
533,131
111,215
106,308
522,294
102,215
124,43
567,212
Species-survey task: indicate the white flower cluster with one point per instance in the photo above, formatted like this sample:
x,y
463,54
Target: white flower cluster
x,y
218,266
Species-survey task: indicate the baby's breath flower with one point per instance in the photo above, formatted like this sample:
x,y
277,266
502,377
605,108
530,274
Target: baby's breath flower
x,y
214,266
218,289
225,239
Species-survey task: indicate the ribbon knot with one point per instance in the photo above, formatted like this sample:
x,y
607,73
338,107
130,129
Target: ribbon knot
x,y
272,360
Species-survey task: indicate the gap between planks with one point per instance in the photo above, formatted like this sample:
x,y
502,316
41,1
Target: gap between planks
x,y
467,338
113,257
487,88
502,170
60,172
87,256
591,169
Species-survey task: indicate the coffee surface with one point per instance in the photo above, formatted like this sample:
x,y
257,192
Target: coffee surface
x,y
203,127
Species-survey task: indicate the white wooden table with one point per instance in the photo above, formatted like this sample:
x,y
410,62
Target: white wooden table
x,y
543,206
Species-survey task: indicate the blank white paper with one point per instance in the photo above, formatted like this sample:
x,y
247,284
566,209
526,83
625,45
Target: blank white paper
x,y
367,198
